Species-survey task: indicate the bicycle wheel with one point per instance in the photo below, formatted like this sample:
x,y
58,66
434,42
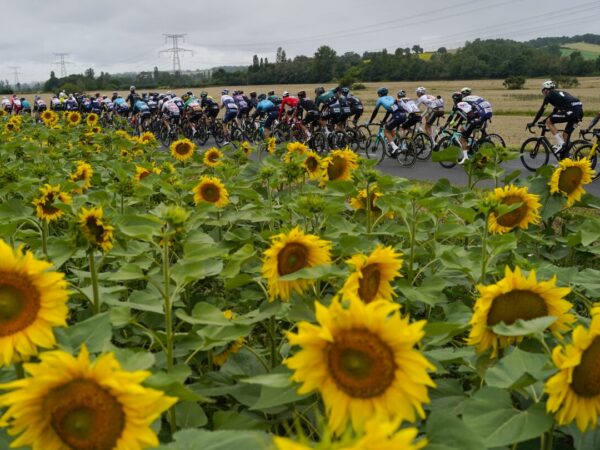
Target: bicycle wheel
x,y
364,136
495,139
584,151
406,156
423,146
337,140
319,142
352,139
534,153
376,150
443,144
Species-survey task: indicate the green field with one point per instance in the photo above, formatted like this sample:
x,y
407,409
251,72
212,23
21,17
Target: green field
x,y
588,51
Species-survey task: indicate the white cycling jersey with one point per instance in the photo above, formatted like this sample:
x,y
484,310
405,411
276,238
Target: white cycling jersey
x,y
430,101
228,102
170,107
409,106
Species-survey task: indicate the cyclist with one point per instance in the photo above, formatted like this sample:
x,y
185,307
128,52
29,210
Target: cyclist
x,y
593,123
288,104
454,118
306,105
231,109
356,105
267,108
25,105
6,106
15,104
252,101
434,108
391,108
121,106
329,105
475,112
242,103
132,97
345,108
567,109
410,108
71,103
209,106
171,112
39,105
95,105
273,98
140,114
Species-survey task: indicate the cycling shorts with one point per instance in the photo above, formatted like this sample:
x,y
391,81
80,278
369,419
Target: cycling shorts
x,y
571,117
396,120
412,120
310,117
475,124
212,112
243,112
230,115
431,115
271,118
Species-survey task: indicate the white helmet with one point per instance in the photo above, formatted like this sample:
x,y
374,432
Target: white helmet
x,y
465,91
421,90
464,107
548,84
286,94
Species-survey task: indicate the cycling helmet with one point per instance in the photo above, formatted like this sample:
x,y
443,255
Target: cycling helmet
x,y
270,93
421,90
301,94
549,84
401,93
184,97
203,94
225,92
464,107
285,94
262,97
457,97
319,90
252,94
189,93
382,91
131,88
465,91
345,91
235,92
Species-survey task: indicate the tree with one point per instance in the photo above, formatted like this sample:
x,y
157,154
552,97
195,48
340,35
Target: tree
x,y
155,74
514,82
52,84
417,49
324,63
255,61
442,50
89,73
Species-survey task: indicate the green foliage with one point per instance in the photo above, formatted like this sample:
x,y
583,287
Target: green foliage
x,y
564,81
514,82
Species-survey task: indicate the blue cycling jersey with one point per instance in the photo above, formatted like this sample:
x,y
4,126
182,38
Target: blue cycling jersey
x,y
119,101
140,106
388,102
265,106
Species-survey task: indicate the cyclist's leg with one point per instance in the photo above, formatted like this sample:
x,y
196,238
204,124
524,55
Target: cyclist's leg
x,y
465,134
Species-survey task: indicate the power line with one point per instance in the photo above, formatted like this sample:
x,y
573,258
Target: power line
x,y
16,73
62,63
175,49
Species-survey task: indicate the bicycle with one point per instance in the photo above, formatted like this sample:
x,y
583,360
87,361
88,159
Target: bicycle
x,y
589,150
473,145
379,147
535,151
422,143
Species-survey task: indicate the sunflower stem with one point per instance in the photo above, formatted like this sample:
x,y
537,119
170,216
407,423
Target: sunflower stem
x,y
168,320
45,238
272,343
19,371
368,208
547,439
94,277
484,254
413,240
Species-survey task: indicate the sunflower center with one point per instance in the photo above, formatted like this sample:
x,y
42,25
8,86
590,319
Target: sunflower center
x,y
210,193
182,148
144,174
586,376
19,303
291,258
514,305
368,285
95,228
213,157
360,363
312,164
85,416
336,168
514,217
570,179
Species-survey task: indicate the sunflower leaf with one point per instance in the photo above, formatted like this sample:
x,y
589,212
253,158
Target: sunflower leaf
x,y
313,273
524,327
517,370
445,431
218,440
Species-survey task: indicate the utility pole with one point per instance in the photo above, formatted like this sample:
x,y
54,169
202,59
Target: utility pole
x,y
16,73
62,63
175,49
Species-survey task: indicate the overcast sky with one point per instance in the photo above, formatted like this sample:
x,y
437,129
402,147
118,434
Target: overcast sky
x,y
127,35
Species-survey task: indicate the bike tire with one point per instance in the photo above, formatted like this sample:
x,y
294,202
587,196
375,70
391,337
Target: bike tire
x,y
364,136
319,142
495,139
376,150
423,146
534,153
443,144
583,151
408,156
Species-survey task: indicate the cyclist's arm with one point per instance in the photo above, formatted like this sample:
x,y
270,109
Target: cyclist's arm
x,y
594,121
539,113
385,118
374,114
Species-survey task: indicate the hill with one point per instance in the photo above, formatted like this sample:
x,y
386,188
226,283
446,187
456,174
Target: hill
x,y
587,50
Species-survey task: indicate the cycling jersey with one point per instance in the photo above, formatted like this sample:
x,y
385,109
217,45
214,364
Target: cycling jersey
x,y
56,104
152,105
141,107
345,107
240,101
25,105
107,104
71,104
481,107
132,98
193,106
388,102
324,98
561,100
179,102
5,103
39,105
274,99
228,102
355,103
95,106
209,103
290,101
170,108
430,101
408,106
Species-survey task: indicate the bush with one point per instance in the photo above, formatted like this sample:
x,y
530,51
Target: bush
x,y
358,87
563,81
514,82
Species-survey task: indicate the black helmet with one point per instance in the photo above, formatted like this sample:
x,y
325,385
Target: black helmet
x,y
401,93
270,93
345,90
131,88
253,94
203,94
457,97
382,91
262,97
190,93
319,90
301,94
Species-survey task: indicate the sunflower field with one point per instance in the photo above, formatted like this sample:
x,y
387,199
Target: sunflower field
x,y
267,297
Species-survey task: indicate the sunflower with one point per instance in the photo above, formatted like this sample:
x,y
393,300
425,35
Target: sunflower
x,y
96,130
147,138
73,403
2,113
312,163
339,165
574,392
98,233
11,126
44,204
360,201
372,275
33,300
211,190
92,119
122,134
74,118
84,173
182,149
49,117
212,157
142,172
570,177
246,148
297,147
512,298
289,253
271,145
522,216
360,357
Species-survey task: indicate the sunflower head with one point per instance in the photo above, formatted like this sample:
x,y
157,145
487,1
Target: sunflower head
x,y
182,149
570,177
33,300
45,203
574,392
84,173
142,172
289,253
373,274
522,216
271,145
297,147
49,117
211,190
75,403
312,164
512,298
339,165
92,119
74,118
98,233
147,138
11,126
361,358
213,157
